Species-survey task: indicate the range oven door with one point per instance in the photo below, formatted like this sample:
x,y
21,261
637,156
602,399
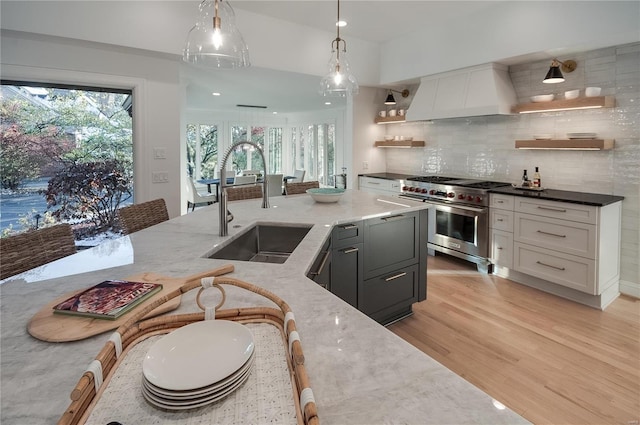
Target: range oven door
x,y
459,229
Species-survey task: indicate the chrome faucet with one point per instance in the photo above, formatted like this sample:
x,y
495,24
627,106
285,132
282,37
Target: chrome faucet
x,y
225,215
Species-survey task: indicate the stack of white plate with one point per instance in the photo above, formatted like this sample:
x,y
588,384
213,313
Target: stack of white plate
x,y
197,364
582,135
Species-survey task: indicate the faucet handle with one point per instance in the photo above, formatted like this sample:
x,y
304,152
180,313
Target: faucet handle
x,y
229,216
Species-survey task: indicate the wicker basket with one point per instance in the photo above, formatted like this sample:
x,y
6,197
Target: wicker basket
x,y
86,393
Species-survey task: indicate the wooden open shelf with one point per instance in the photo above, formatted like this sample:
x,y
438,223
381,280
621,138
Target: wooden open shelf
x,y
390,120
399,144
565,105
567,144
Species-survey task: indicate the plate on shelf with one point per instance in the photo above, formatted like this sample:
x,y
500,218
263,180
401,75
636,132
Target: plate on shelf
x,y
582,135
543,136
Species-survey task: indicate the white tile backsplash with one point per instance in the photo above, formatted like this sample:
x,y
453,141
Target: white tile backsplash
x,y
484,147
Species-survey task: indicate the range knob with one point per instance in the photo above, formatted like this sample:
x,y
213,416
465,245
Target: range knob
x,y
478,199
431,192
469,198
424,191
461,196
405,188
451,195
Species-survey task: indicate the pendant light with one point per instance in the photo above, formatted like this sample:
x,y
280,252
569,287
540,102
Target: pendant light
x,y
555,75
215,41
339,81
390,100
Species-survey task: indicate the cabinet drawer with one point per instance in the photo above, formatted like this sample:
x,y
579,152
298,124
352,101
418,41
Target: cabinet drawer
x,y
373,184
566,236
561,210
501,220
564,269
504,202
502,248
346,272
387,293
392,242
346,234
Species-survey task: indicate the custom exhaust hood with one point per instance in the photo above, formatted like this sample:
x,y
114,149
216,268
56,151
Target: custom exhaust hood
x,y
475,91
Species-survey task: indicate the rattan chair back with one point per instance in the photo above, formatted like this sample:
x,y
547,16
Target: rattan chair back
x,y
27,250
140,216
296,188
244,192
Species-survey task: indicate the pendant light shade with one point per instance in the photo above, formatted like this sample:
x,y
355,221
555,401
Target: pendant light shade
x,y
214,41
390,100
554,75
339,81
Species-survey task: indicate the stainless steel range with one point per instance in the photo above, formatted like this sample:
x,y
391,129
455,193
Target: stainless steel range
x,y
459,219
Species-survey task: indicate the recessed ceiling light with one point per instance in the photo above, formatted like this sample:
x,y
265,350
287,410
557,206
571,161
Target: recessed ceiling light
x,y
327,103
215,93
275,112
341,24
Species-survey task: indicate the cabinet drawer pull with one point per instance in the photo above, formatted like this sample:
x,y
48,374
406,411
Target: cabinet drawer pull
x,y
392,217
549,265
551,234
373,182
395,276
348,226
499,219
322,263
552,209
499,248
349,250
499,202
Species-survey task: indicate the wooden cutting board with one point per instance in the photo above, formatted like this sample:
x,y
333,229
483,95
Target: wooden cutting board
x,y
47,326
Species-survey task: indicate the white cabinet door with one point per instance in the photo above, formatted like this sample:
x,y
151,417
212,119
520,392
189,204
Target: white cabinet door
x,y
502,248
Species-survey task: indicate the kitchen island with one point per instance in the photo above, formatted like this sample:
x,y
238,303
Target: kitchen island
x,y
360,372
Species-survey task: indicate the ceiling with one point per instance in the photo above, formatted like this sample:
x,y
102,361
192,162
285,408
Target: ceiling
x,y
374,21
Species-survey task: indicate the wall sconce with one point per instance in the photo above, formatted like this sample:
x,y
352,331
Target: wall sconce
x,y
555,75
390,100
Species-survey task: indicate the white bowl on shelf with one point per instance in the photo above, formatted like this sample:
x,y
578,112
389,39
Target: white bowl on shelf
x,y
325,194
542,98
571,94
543,136
388,137
592,91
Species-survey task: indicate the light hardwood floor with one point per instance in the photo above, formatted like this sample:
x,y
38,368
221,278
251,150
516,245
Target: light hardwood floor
x,y
551,360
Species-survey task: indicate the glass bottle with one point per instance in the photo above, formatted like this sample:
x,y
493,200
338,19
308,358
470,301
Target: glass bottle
x,y
536,178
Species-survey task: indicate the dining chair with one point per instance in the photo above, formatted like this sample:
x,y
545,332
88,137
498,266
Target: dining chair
x,y
34,248
239,193
296,188
140,216
194,198
251,172
274,184
245,180
298,176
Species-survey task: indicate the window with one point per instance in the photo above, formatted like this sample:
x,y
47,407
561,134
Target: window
x,y
312,148
202,150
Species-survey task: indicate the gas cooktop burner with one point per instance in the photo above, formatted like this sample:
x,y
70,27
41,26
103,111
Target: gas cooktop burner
x,y
431,179
449,189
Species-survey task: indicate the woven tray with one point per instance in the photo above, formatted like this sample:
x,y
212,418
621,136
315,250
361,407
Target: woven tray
x,y
118,362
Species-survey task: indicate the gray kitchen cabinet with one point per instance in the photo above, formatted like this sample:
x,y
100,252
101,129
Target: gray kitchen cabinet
x,y
346,272
320,271
378,265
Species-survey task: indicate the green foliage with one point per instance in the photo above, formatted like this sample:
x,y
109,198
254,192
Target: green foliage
x,y
93,191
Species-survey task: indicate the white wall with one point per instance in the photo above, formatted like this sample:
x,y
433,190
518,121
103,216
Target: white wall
x,y
483,147
157,98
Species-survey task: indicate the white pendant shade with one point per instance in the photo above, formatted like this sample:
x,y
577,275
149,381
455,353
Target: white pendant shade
x,y
215,42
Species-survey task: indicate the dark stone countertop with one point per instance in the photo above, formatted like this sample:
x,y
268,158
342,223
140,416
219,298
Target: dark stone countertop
x,y
388,176
595,199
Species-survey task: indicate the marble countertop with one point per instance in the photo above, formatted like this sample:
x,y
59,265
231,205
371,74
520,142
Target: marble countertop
x,y
360,372
584,198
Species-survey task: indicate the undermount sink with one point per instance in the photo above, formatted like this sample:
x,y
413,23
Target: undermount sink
x,y
264,243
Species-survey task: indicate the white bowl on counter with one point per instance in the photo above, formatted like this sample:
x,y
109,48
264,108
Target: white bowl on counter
x,y
542,98
325,194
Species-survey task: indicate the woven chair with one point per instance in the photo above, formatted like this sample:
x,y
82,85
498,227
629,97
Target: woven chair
x,y
27,250
296,188
244,192
140,216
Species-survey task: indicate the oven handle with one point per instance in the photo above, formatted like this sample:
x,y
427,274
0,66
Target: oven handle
x,y
447,207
